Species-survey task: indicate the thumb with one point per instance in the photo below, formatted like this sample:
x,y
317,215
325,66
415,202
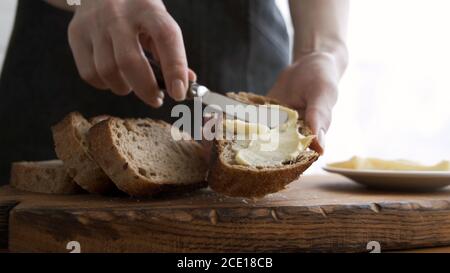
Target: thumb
x,y
192,76
318,118
318,112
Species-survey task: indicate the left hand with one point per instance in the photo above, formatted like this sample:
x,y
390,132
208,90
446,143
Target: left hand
x,y
310,85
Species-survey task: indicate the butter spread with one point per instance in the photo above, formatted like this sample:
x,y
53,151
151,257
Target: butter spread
x,y
359,163
259,146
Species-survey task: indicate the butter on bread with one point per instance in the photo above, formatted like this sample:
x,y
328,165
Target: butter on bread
x,y
234,175
257,145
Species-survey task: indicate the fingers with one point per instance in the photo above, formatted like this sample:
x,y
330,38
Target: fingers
x,y
107,40
315,112
318,113
132,62
168,40
319,120
149,46
82,51
107,67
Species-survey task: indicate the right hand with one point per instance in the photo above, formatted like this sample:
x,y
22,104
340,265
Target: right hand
x,y
108,39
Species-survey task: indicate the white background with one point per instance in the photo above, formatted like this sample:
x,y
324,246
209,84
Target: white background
x,y
395,97
7,10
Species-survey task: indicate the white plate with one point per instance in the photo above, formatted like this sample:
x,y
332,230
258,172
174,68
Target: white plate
x,y
396,180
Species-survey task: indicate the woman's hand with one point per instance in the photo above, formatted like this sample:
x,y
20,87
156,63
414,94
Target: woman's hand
x,y
108,39
309,85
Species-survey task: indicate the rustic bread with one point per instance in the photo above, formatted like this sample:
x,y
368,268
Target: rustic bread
x,y
43,177
70,137
229,178
142,159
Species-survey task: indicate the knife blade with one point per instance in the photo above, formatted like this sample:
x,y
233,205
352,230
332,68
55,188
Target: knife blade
x,y
270,116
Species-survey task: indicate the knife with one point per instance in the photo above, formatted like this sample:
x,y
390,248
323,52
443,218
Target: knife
x,y
272,117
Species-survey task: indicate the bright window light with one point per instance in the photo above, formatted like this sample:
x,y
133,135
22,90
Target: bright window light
x,y
395,96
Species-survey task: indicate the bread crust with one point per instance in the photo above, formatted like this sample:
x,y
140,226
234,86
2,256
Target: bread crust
x,y
251,182
48,177
119,169
71,148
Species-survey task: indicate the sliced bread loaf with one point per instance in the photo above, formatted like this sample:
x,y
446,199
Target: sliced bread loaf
x,y
71,146
43,177
228,177
141,157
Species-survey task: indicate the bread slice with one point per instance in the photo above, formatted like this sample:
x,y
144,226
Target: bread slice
x,y
142,158
229,178
71,146
43,177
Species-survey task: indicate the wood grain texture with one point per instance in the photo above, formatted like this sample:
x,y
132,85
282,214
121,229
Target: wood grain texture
x,y
5,208
316,214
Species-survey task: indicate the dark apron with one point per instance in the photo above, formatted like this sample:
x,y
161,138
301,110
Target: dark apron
x,y
233,45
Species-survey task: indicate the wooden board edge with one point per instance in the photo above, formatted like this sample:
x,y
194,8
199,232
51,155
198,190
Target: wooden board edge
x,y
5,208
395,226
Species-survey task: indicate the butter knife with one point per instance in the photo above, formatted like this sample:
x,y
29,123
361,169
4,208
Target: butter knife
x,y
271,117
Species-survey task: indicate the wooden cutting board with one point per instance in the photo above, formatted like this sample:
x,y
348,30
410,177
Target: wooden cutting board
x,y
317,213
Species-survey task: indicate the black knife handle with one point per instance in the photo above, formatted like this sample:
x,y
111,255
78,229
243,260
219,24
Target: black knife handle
x,y
158,73
191,92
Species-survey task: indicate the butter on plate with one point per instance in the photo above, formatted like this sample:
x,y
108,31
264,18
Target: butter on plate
x,y
359,163
259,146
